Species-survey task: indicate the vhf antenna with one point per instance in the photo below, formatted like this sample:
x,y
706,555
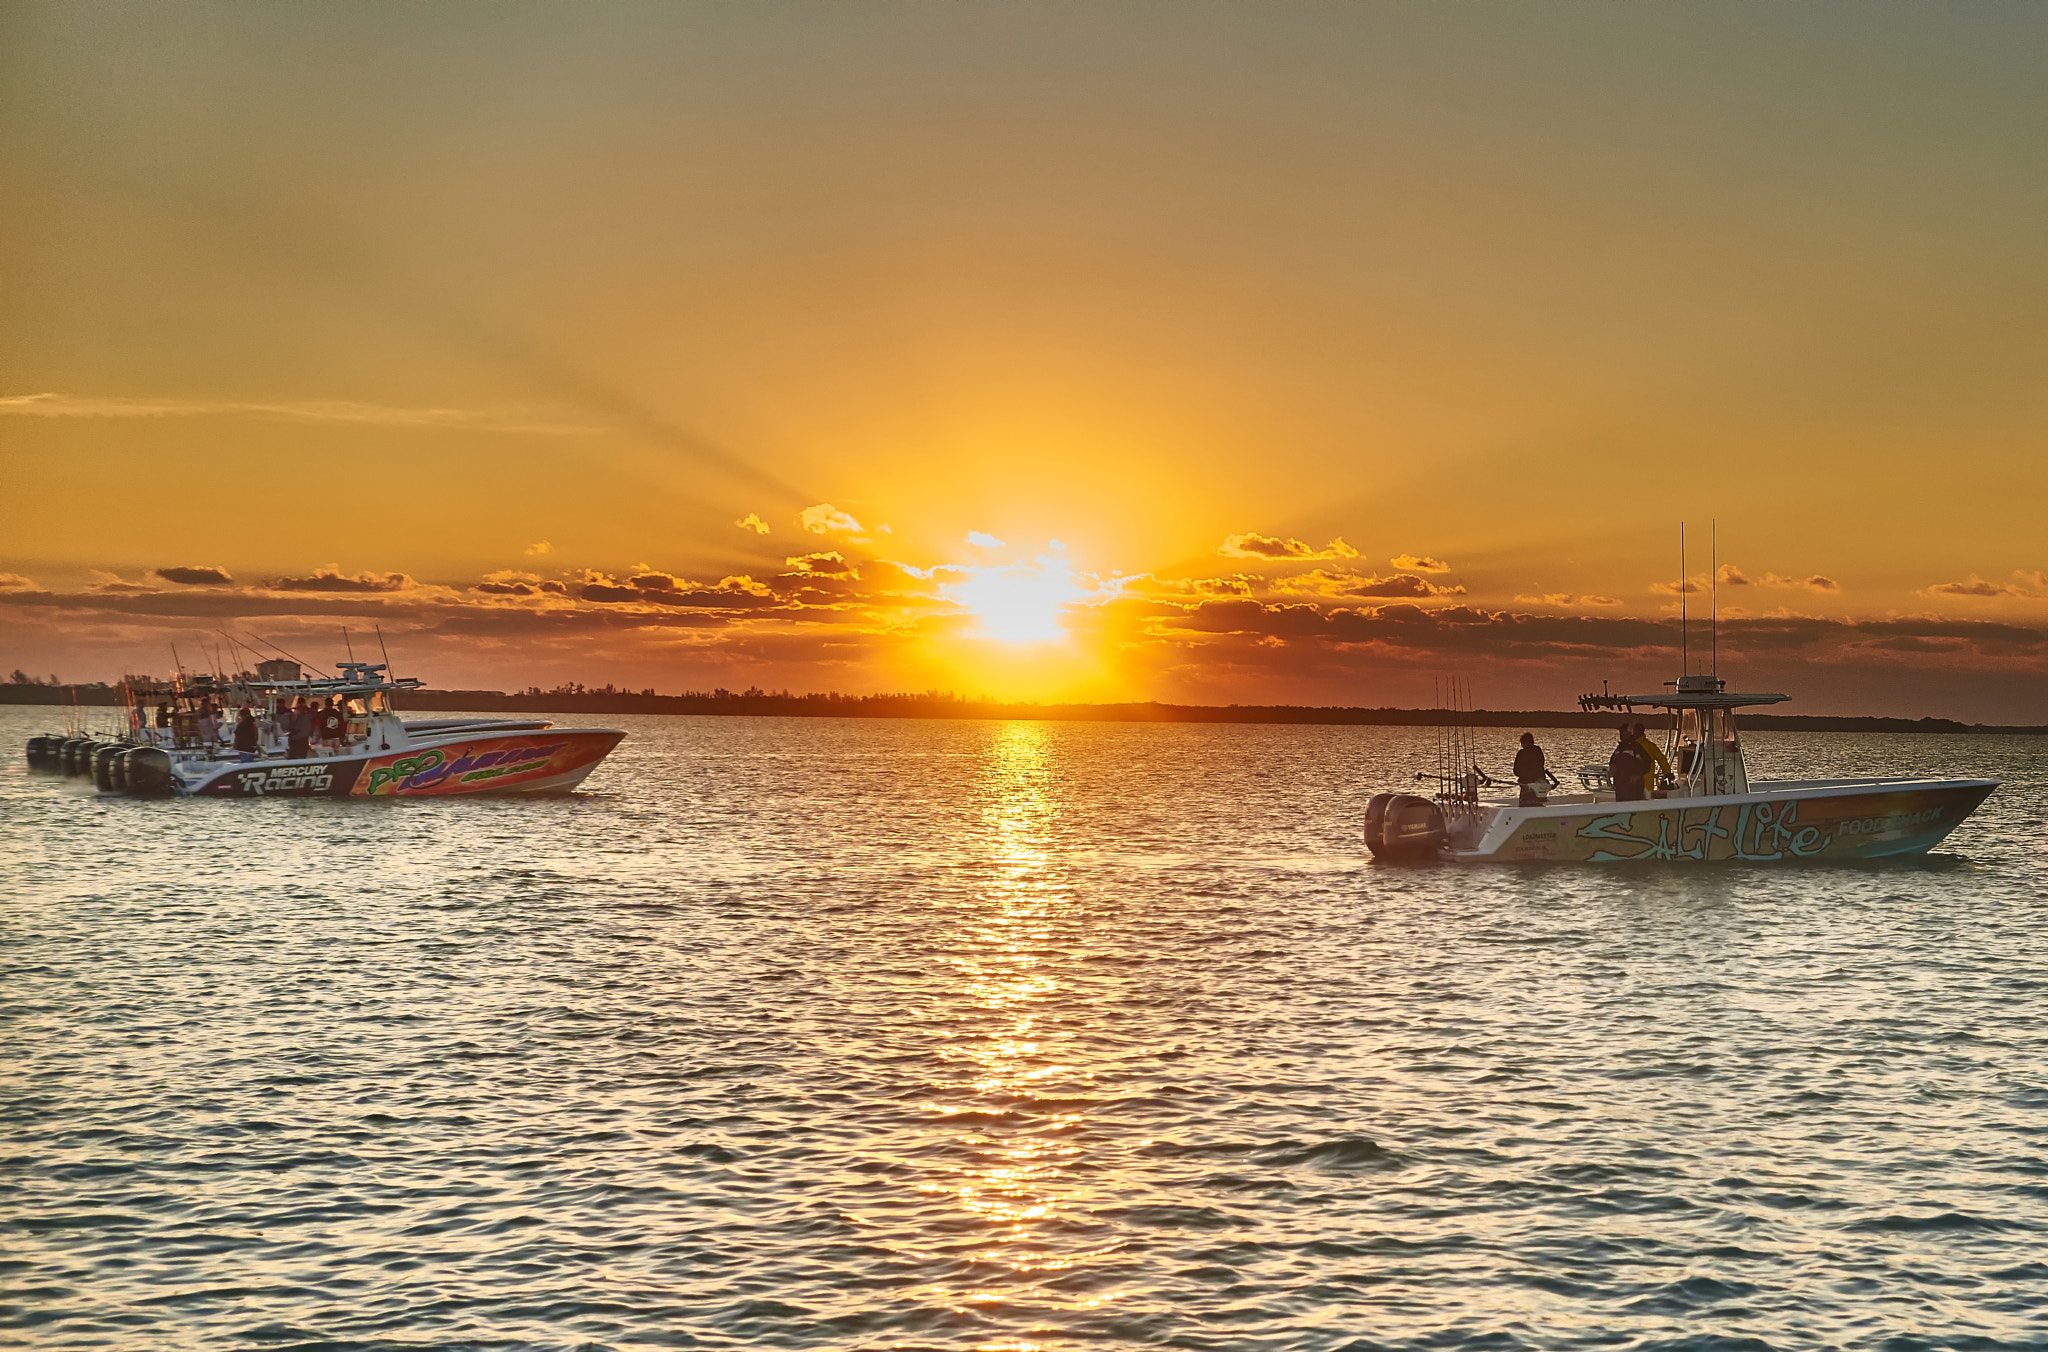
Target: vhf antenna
x,y
1684,647
1714,597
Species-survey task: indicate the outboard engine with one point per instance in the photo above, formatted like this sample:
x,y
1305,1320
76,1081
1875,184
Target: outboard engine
x,y
118,769
77,757
149,772
43,753
1411,829
103,766
1375,822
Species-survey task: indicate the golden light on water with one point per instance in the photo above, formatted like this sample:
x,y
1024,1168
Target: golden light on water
x,y
1009,1057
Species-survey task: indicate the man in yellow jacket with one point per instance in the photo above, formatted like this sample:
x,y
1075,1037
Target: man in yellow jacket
x,y
1654,755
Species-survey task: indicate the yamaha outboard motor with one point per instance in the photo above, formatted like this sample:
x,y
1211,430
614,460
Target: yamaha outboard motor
x,y
119,769
1375,822
149,772
43,753
103,766
1411,829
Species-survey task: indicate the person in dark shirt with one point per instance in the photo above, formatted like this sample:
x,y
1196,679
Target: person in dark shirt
x,y
1531,773
299,732
247,739
1627,766
333,724
163,714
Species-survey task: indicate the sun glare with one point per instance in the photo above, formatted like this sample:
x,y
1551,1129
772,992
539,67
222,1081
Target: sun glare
x,y
1021,603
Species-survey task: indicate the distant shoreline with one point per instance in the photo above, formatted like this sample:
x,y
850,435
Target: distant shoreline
x,y
945,707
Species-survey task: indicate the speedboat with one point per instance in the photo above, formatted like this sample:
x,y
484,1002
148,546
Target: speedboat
x,y
175,750
1707,809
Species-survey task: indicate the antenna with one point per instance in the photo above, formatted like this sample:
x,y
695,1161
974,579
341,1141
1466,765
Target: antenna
x,y
346,644
1684,648
1714,595
389,674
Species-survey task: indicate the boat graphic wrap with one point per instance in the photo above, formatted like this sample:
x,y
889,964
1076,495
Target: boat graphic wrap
x,y
1845,826
292,779
486,765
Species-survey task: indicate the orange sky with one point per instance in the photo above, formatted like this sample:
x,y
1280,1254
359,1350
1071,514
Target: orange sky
x,y
358,306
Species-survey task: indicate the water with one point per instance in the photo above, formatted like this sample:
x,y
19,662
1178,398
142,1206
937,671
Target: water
x,y
1003,1035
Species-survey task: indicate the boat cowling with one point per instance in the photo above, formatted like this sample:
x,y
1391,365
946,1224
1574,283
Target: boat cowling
x,y
119,769
1411,829
103,766
1375,822
149,772
78,756
45,753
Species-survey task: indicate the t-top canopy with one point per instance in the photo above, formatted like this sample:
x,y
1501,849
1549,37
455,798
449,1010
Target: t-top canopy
x,y
1693,692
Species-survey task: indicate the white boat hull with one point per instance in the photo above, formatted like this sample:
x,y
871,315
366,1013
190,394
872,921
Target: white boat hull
x,y
1775,822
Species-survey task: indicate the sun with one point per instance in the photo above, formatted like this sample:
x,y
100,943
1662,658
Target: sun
x,y
1021,603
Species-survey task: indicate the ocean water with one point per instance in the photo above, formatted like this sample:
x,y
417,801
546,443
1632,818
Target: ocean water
x,y
806,1034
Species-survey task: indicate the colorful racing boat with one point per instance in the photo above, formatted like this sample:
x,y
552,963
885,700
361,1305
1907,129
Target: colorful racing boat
x,y
1707,809
180,742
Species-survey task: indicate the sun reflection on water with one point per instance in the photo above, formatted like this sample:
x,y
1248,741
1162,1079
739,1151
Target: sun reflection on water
x,y
1019,1096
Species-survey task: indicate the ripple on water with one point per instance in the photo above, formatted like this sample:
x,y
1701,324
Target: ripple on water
x,y
813,1033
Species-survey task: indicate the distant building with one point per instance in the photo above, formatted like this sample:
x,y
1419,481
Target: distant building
x,y
279,669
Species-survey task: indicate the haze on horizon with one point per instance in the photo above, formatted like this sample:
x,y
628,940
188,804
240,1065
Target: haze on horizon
x,y
1288,353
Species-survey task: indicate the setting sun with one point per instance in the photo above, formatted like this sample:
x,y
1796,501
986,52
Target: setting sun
x,y
1020,603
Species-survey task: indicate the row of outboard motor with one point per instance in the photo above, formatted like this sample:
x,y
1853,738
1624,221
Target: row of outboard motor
x,y
1404,827
115,767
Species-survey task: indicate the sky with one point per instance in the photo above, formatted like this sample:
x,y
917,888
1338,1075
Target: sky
x,y
1278,353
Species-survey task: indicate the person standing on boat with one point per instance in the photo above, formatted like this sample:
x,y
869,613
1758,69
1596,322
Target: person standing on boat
x,y
209,721
333,724
1628,767
1654,763
1531,773
247,738
299,732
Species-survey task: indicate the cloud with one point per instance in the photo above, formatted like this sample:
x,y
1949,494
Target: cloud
x,y
332,579
752,521
1687,587
657,588
983,539
1974,586
1419,563
538,548
507,582
1731,576
196,577
1561,600
1322,582
1145,584
15,582
313,410
104,581
825,519
1252,545
830,563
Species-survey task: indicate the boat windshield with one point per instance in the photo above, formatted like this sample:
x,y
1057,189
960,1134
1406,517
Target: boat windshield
x,y
1706,751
